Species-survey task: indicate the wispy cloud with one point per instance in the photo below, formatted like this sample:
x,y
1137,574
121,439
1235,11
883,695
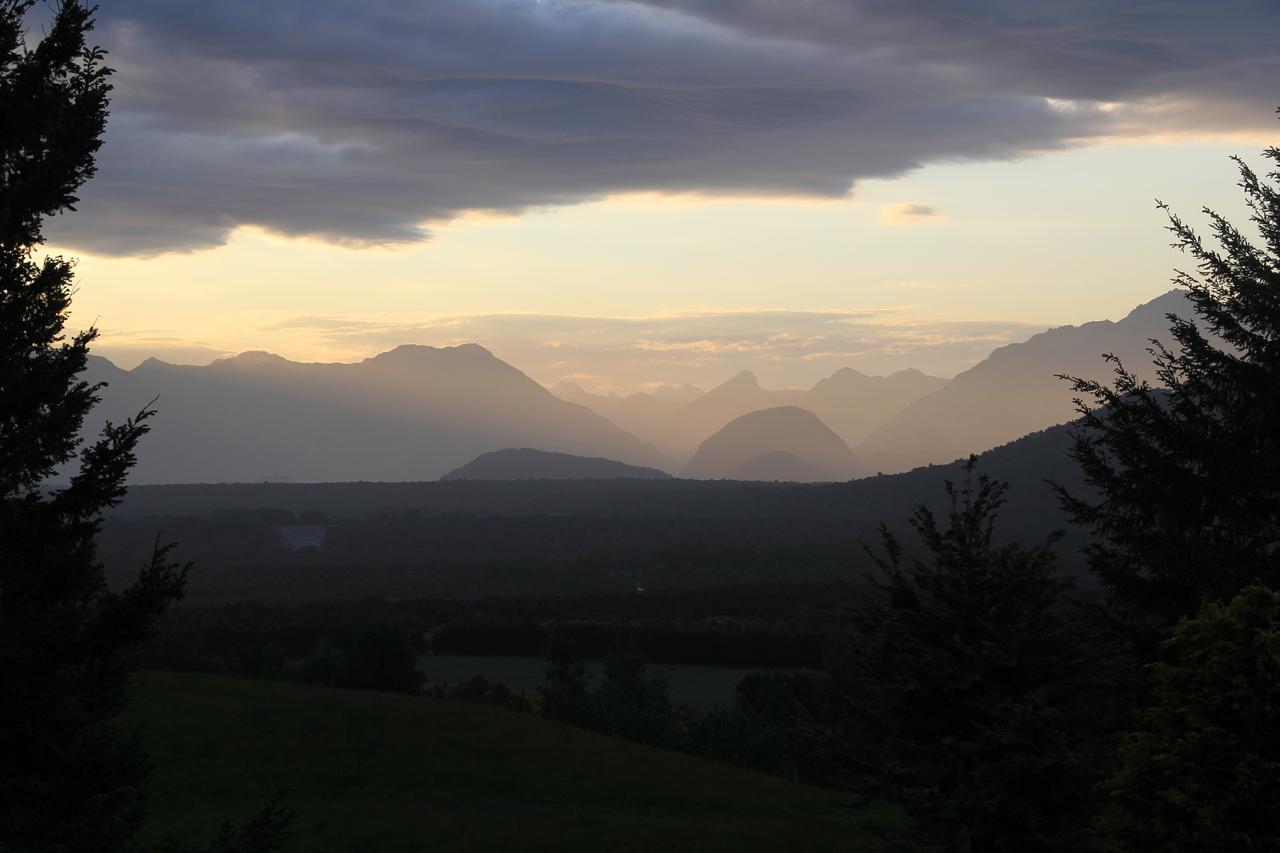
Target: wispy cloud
x,y
908,213
786,348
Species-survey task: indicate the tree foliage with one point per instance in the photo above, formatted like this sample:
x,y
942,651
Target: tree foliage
x,y
1202,772
1188,472
970,684
68,780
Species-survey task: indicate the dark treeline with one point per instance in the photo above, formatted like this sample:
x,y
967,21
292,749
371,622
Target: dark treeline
x,y
779,625
540,538
724,646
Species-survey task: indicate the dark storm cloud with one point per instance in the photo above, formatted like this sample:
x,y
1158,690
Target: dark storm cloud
x,y
367,122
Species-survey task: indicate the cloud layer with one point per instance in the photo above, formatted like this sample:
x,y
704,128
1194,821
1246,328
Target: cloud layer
x,y
786,348
368,123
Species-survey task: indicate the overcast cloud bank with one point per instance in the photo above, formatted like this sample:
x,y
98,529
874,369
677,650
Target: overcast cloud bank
x,y
368,123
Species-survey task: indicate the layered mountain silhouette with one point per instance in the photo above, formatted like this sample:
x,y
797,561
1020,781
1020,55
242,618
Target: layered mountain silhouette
x,y
529,464
782,443
1015,390
851,403
413,413
645,413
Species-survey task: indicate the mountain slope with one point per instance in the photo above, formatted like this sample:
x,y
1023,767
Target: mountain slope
x,y
1015,390
409,414
790,430
853,404
699,419
644,414
777,466
528,464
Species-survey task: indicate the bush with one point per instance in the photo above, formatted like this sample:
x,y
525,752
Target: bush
x,y
1203,770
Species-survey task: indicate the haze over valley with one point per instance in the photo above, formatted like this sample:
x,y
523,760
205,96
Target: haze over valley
x,y
419,413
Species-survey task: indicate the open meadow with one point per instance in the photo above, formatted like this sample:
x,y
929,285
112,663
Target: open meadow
x,y
378,772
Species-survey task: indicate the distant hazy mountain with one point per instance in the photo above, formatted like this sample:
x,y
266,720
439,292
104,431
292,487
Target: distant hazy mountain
x,y
780,466
854,404
696,421
409,414
646,414
851,403
528,464
788,430
1014,391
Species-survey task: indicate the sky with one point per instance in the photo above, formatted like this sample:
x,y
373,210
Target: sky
x,y
626,193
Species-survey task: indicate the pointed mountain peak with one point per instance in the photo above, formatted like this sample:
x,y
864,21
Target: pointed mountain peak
x,y
101,361
153,365
1173,302
744,380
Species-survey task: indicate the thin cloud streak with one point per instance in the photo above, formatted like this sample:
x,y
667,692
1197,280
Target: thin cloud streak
x,y
786,348
909,213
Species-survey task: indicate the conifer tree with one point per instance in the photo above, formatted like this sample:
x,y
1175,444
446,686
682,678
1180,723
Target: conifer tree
x,y
974,687
1187,473
69,780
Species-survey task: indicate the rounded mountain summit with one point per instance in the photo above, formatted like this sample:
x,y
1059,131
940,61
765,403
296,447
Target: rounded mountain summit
x,y
787,442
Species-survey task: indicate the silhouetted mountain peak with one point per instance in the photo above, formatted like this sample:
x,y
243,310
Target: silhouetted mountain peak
x,y
789,429
529,464
744,381
1173,302
420,353
1016,389
248,360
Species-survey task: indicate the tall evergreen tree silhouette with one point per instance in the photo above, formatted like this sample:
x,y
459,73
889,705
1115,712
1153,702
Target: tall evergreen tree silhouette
x,y
69,780
974,688
1187,475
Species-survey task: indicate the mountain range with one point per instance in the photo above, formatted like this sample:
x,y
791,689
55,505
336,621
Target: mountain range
x,y
417,413
412,413
1016,390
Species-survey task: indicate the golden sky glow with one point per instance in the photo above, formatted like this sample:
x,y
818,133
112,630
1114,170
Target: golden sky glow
x,y
1060,238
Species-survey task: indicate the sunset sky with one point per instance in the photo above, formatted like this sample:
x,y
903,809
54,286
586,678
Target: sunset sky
x,y
627,193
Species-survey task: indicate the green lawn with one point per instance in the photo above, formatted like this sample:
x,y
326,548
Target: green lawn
x,y
378,772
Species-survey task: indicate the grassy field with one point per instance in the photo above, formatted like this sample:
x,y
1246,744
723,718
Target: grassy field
x,y
703,687
379,772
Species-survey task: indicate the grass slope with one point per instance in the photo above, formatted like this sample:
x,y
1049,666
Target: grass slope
x,y
378,772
